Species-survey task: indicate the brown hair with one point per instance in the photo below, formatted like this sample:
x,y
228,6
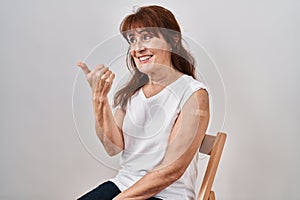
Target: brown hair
x,y
155,19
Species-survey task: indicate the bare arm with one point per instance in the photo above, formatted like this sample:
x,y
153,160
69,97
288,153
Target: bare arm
x,y
107,126
185,139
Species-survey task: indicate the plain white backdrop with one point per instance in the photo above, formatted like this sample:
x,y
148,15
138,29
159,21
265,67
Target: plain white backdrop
x,y
255,45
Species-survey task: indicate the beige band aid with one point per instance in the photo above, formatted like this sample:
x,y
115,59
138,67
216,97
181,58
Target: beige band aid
x,y
199,112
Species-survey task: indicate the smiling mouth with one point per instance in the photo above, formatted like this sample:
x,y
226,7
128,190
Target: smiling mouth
x,y
144,59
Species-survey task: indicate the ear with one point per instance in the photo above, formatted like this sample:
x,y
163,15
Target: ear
x,y
176,39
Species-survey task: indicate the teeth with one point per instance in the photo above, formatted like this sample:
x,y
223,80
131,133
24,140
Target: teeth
x,y
144,58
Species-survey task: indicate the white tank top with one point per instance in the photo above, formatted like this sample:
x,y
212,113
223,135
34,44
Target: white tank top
x,y
146,128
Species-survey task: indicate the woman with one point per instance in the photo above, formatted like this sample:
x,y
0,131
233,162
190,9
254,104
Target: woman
x,y
161,114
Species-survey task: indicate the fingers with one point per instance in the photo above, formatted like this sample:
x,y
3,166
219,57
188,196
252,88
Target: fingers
x,y
99,67
108,83
100,71
84,67
111,78
105,82
103,85
100,79
105,77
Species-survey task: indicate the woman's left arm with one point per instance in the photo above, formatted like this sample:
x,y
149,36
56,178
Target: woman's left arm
x,y
185,139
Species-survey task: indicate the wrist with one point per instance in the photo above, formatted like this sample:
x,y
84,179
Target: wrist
x,y
100,100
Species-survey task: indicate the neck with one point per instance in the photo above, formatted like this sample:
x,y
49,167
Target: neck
x,y
163,76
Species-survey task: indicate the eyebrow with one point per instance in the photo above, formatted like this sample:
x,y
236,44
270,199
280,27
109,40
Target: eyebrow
x,y
139,32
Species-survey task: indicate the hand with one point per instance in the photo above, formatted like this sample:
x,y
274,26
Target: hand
x,y
100,80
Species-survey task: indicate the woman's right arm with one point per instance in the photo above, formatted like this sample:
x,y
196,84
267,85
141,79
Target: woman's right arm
x,y
107,125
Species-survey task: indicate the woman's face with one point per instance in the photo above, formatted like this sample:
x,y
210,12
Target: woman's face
x,y
148,51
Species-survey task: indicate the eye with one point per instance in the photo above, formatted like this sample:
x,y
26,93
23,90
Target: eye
x,y
131,40
147,37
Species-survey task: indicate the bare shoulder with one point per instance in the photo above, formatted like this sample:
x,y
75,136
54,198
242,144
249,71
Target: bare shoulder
x,y
200,98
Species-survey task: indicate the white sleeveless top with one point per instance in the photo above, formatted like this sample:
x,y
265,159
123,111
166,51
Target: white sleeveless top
x,y
146,128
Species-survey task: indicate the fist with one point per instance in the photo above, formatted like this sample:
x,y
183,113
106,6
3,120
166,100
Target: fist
x,y
100,79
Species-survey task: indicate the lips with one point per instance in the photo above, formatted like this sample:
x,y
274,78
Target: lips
x,y
145,58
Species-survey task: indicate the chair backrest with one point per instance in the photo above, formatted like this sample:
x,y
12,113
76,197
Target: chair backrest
x,y
212,146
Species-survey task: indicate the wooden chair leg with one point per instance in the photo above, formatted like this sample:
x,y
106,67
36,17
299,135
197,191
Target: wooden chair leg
x,y
211,196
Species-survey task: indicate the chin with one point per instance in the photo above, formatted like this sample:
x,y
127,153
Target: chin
x,y
147,68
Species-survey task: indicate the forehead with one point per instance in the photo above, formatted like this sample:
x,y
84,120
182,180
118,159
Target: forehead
x,y
136,31
139,31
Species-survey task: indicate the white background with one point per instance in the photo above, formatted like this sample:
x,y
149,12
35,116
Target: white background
x,y
255,45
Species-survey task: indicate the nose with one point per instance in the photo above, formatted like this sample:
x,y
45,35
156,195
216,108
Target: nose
x,y
138,46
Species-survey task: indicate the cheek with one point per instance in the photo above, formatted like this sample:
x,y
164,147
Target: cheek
x,y
131,53
136,61
161,53
159,45
133,56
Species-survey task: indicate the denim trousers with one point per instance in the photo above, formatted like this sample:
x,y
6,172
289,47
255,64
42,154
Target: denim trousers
x,y
105,191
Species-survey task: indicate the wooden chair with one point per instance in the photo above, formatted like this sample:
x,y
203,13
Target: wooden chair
x,y
213,147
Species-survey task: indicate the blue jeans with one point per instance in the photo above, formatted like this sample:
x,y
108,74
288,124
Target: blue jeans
x,y
105,191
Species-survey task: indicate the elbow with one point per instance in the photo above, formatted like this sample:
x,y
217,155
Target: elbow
x,y
174,173
112,152
110,147
178,174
